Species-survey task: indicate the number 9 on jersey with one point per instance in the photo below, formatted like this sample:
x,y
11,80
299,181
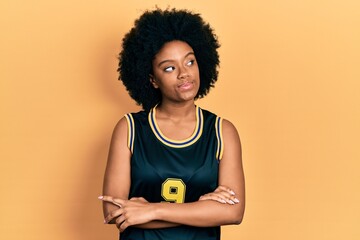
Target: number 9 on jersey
x,y
173,190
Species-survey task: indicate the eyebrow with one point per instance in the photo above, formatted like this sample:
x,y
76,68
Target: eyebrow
x,y
170,60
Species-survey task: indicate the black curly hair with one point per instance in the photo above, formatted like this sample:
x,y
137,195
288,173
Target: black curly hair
x,y
151,31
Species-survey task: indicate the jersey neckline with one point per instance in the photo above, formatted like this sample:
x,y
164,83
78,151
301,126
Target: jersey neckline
x,y
177,143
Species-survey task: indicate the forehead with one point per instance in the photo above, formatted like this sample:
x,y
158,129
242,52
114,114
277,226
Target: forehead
x,y
172,50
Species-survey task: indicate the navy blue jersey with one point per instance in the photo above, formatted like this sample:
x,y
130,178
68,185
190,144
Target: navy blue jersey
x,y
165,170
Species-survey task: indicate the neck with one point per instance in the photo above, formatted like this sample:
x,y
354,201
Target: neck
x,y
176,110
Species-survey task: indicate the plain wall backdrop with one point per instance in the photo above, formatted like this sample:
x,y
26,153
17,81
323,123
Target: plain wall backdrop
x,y
289,81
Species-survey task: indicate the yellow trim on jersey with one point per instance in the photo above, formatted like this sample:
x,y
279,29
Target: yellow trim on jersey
x,y
220,145
131,131
177,143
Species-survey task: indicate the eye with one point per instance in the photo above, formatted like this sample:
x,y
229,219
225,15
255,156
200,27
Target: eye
x,y
169,69
190,63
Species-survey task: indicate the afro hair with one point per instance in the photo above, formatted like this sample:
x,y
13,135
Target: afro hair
x,y
151,31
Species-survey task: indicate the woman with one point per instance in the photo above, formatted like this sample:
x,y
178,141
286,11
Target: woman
x,y
174,170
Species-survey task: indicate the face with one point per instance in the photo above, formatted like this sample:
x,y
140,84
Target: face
x,y
175,72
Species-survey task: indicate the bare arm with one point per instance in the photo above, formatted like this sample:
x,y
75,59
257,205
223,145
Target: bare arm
x,y
200,213
117,178
230,175
117,173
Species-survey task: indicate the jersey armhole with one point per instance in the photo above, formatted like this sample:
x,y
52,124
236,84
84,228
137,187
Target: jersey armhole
x,y
130,132
219,137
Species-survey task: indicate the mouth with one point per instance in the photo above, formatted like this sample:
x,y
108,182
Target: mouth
x,y
186,85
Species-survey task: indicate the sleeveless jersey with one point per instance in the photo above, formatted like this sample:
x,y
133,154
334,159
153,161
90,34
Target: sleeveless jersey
x,y
165,170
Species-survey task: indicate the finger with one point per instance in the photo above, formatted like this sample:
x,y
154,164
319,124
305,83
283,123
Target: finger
x,y
225,188
221,188
222,197
230,199
116,201
140,199
123,226
114,214
227,193
119,221
202,198
223,193
212,197
106,199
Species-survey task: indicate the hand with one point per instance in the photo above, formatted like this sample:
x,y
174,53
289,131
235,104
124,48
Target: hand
x,y
131,212
221,194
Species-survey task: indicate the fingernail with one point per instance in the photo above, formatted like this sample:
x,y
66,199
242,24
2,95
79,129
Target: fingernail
x,y
232,192
105,221
231,202
100,197
236,200
222,201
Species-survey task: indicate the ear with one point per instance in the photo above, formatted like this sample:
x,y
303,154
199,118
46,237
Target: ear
x,y
153,81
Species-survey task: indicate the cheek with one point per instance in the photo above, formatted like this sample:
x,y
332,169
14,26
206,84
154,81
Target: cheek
x,y
196,75
166,81
195,71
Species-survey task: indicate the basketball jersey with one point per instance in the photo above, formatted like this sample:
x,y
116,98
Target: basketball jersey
x,y
165,170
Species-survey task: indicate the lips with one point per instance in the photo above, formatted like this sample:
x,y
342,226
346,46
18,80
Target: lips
x,y
186,85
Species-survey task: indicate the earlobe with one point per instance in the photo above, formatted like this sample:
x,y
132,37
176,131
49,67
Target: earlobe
x,y
153,81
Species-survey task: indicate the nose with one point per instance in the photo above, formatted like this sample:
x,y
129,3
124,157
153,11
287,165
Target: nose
x,y
183,73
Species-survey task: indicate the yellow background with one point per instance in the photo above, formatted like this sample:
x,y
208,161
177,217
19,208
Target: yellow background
x,y
289,80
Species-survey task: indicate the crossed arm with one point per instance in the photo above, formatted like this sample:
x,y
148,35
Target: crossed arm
x,y
223,206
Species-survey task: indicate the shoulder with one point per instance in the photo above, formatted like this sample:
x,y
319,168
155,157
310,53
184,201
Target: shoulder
x,y
230,132
126,122
141,115
225,126
120,128
231,136
228,127
129,117
124,130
